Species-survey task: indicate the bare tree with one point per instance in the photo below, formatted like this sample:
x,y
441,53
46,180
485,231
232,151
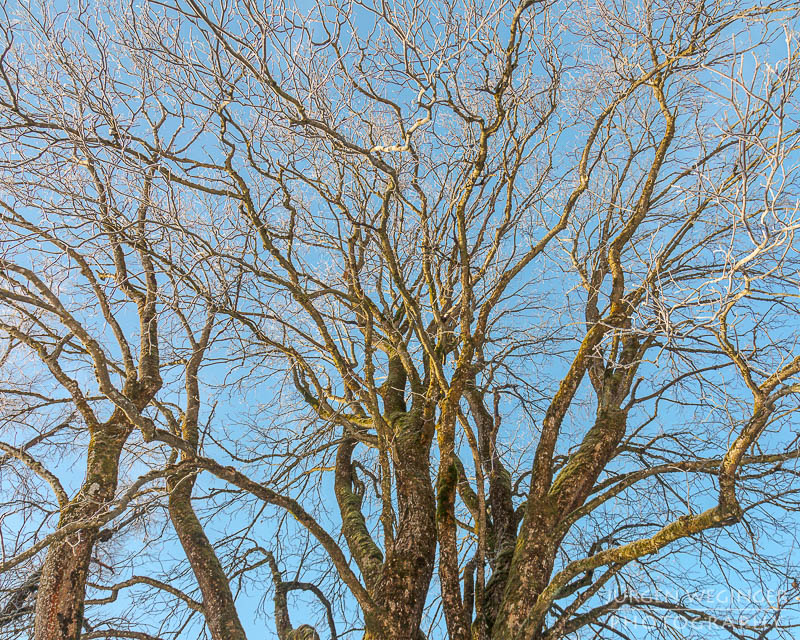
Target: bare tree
x,y
501,293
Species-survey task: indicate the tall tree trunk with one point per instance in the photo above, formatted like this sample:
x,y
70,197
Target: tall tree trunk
x,y
527,577
407,571
219,607
218,604
62,589
541,533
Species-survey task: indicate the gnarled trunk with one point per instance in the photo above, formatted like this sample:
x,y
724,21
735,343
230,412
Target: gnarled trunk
x,y
403,585
62,588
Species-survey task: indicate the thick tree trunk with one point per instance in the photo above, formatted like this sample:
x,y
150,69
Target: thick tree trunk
x,y
541,533
59,604
62,589
528,575
407,571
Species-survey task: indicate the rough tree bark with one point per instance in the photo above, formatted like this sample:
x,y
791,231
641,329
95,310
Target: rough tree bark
x,y
62,586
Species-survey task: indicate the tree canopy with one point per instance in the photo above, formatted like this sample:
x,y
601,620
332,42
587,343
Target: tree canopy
x,y
403,320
